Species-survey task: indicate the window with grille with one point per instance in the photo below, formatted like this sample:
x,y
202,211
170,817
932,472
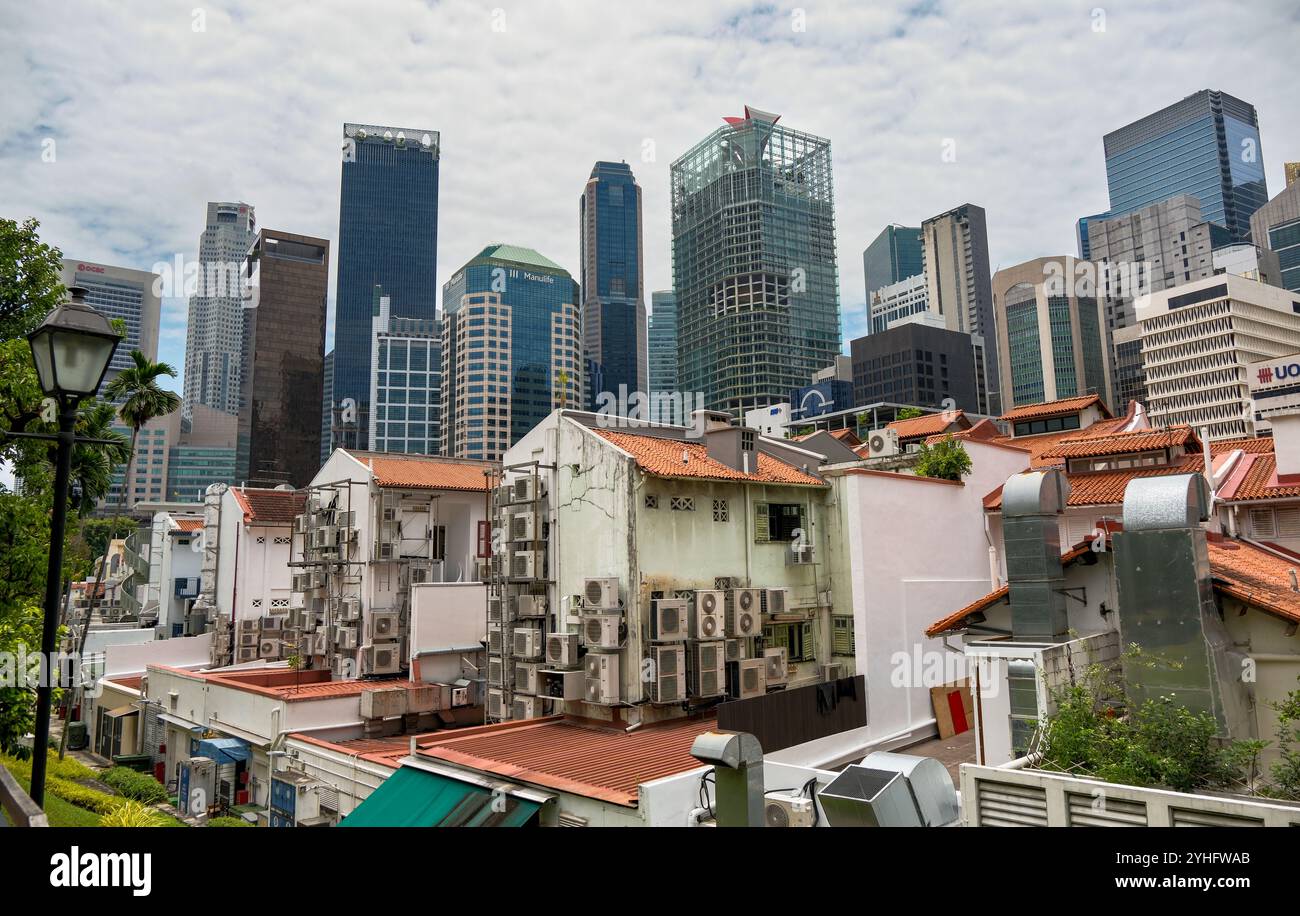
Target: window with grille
x,y
682,504
797,638
777,521
720,510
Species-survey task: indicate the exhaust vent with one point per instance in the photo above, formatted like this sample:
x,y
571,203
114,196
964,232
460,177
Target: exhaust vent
x,y
1031,505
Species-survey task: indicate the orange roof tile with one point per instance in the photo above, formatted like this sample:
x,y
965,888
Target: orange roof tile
x,y
425,472
1120,443
570,755
1258,445
1260,481
928,425
1104,488
269,507
983,431
1055,408
663,458
188,525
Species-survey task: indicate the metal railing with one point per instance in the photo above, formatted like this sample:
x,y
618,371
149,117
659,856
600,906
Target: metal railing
x,y
19,809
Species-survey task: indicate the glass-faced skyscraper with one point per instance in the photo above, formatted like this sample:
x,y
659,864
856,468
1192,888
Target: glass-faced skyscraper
x,y
613,299
1207,145
663,352
388,237
894,255
754,267
511,349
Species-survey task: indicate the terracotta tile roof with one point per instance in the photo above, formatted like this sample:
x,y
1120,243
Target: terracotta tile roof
x,y
663,458
425,472
1103,488
1259,445
983,431
1259,480
1119,443
1055,408
570,755
928,425
189,525
1239,569
269,507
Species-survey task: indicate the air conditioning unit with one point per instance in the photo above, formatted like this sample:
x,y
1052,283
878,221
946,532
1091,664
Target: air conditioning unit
x,y
747,678
528,489
602,631
347,637
528,642
298,582
527,564
504,494
708,671
708,615
602,678
528,708
776,601
786,809
494,640
562,650
459,697
736,650
529,605
800,555
495,703
668,683
383,626
268,648
777,660
249,625
382,659
832,671
496,606
248,640
499,672
246,654
320,642
300,523
669,618
350,609
524,527
600,594
528,677
744,613
882,443
329,536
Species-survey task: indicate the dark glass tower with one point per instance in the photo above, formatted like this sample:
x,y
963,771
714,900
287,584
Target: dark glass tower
x,y
613,300
388,236
663,351
1207,145
754,267
894,255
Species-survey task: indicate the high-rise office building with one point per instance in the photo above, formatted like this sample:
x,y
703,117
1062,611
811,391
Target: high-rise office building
x,y
955,249
663,355
1198,340
405,383
284,354
754,267
388,237
894,256
121,293
890,304
1081,240
204,455
1276,226
214,330
1207,146
1052,333
511,349
919,363
611,281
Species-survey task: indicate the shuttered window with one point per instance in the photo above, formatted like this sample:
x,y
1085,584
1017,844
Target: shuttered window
x,y
1261,523
842,635
1287,522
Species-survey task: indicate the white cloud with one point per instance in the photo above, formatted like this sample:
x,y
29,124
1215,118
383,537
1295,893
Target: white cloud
x,y
151,119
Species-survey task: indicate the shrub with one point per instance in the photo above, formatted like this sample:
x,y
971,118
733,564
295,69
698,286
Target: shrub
x,y
228,822
79,795
138,786
946,460
129,814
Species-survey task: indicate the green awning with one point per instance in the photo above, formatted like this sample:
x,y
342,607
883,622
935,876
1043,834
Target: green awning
x,y
413,797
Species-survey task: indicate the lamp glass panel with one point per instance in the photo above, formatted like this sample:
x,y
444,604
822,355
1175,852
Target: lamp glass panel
x,y
80,361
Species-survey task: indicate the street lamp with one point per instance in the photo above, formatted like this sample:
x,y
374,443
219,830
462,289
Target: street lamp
x,y
72,349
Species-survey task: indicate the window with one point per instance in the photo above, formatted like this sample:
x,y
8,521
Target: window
x,y
682,504
842,635
484,539
777,521
720,510
797,638
1022,690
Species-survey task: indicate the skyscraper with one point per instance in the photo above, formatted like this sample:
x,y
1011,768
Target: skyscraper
x,y
1276,226
326,408
1207,145
1052,334
121,293
754,268
955,248
511,349
894,256
663,353
613,300
405,383
284,354
388,236
215,328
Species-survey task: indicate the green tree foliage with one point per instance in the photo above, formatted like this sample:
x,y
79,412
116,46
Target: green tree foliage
x,y
909,413
1286,771
21,627
29,278
143,399
946,459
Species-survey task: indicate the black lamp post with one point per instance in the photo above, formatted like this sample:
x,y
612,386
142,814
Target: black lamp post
x,y
72,349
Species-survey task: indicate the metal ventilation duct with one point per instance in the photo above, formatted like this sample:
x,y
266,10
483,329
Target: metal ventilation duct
x,y
865,797
929,780
1031,504
1167,607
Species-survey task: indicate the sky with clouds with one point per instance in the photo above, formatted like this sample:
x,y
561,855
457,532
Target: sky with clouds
x,y
155,108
